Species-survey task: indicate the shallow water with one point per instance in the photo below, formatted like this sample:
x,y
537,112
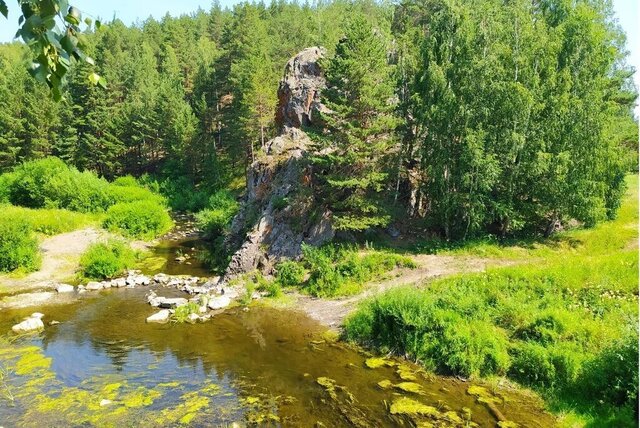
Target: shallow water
x,y
163,258
262,365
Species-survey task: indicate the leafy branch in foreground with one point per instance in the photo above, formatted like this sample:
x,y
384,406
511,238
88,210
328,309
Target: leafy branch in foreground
x,y
52,29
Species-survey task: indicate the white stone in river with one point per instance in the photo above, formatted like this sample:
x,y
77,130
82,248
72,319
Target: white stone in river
x,y
159,317
30,324
119,282
105,402
37,315
219,302
93,285
64,288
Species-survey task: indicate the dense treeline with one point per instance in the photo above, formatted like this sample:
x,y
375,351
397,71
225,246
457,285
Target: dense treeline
x,y
471,116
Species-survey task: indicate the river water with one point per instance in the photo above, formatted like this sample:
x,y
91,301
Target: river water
x,y
102,365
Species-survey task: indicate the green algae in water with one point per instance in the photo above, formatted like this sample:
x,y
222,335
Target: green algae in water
x,y
406,373
483,395
385,384
178,374
410,387
376,362
407,406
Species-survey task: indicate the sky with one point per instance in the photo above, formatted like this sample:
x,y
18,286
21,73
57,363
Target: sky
x,y
130,11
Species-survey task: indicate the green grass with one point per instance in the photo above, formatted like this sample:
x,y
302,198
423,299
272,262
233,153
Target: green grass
x,y
338,270
563,321
50,221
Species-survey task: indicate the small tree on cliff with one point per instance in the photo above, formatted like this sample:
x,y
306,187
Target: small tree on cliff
x,y
359,94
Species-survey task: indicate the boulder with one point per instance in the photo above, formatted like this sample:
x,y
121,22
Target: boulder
x,y
119,282
64,288
94,285
32,323
160,317
219,302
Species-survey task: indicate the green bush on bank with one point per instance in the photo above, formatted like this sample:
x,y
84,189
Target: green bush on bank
x,y
50,184
18,245
560,327
214,220
106,260
290,273
138,219
337,269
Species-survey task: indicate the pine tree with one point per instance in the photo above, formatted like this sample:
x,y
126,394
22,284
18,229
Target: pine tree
x,y
360,95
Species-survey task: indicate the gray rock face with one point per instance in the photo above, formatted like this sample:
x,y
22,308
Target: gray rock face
x,y
278,214
299,90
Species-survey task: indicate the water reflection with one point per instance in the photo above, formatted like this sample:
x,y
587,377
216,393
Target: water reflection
x,y
265,363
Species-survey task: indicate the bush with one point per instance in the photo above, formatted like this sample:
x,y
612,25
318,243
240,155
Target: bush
x,y
18,245
106,260
290,273
612,375
532,365
50,183
139,219
181,194
342,270
214,220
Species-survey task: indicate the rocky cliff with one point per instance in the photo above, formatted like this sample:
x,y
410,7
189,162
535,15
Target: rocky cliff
x,y
278,213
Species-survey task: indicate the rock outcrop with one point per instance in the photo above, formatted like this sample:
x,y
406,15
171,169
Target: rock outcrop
x,y
278,213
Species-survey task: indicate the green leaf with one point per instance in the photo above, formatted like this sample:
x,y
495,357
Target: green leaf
x,y
88,21
102,82
94,78
90,60
3,9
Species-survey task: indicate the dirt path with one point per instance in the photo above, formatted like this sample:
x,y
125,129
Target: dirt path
x,y
332,312
60,258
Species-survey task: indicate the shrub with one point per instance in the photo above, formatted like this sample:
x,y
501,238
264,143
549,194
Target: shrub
x,y
50,183
182,312
139,219
532,365
612,375
18,245
290,273
181,193
214,220
106,260
341,270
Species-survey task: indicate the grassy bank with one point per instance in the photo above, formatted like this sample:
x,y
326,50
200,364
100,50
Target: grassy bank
x,y
564,321
48,197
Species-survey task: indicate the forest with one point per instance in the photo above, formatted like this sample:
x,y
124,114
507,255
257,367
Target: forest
x,y
490,132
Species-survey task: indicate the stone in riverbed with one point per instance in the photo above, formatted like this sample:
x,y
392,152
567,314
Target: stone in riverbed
x,y
219,302
32,323
64,288
94,285
168,303
160,317
119,282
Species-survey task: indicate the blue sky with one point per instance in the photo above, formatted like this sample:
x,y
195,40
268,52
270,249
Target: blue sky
x,y
130,11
